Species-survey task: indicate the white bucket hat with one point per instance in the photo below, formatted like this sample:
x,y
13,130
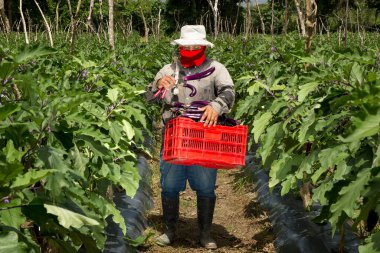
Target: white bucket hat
x,y
192,35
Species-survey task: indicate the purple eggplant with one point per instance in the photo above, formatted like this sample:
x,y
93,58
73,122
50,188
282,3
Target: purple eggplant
x,y
196,77
199,103
193,89
200,75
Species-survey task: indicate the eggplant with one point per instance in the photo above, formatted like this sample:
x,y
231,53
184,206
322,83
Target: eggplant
x,y
196,77
200,75
193,89
199,103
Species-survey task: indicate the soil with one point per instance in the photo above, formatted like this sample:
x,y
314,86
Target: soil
x,y
239,224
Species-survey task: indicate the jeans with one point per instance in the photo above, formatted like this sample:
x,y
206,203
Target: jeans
x,y
174,178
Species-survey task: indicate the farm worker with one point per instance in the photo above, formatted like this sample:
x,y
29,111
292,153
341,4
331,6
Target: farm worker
x,y
218,90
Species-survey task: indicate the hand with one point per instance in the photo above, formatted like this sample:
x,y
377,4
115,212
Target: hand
x,y
166,82
210,116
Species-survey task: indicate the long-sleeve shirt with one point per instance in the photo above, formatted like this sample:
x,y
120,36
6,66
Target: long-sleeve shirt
x,y
217,88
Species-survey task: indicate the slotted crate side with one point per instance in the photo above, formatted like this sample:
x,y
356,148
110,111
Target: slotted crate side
x,y
190,143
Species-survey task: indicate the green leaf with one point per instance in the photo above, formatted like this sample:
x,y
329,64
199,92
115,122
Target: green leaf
x,y
356,74
115,131
376,161
260,123
53,158
306,89
140,240
372,244
329,158
254,88
349,197
128,129
11,153
9,171
67,218
9,243
12,217
112,94
30,177
80,161
342,169
306,164
281,168
85,63
319,193
306,126
96,146
130,179
269,140
368,126
55,183
289,183
33,52
8,109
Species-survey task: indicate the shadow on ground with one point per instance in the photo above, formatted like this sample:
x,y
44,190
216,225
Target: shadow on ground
x,y
188,233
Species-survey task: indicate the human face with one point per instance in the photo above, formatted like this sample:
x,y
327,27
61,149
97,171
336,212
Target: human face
x,y
192,47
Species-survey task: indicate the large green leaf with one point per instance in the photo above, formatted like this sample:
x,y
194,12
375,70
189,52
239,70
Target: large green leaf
x,y
32,52
130,179
112,94
8,109
329,158
306,89
9,243
282,167
53,158
9,171
31,177
260,124
115,131
372,244
80,160
128,129
13,216
308,122
364,127
306,164
319,193
67,218
349,197
357,74
269,140
11,153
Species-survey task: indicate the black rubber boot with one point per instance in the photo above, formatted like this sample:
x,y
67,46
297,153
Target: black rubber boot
x,y
206,206
170,208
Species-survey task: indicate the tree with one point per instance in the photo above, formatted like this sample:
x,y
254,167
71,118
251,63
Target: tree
x,y
46,24
248,19
24,23
286,17
111,25
300,18
261,18
90,24
4,18
215,12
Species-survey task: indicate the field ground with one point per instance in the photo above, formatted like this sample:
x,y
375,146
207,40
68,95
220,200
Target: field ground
x,y
240,225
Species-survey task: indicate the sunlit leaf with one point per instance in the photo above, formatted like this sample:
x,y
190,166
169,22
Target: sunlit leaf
x,y
260,124
69,218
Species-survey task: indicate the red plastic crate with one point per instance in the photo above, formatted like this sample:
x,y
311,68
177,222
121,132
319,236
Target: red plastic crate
x,y
187,142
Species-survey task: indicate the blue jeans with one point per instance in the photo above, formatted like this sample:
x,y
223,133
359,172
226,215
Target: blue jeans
x,y
174,177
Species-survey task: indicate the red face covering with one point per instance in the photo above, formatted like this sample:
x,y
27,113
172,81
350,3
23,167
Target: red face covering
x,y
191,58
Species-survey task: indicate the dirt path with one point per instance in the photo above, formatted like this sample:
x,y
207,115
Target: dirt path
x,y
240,225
